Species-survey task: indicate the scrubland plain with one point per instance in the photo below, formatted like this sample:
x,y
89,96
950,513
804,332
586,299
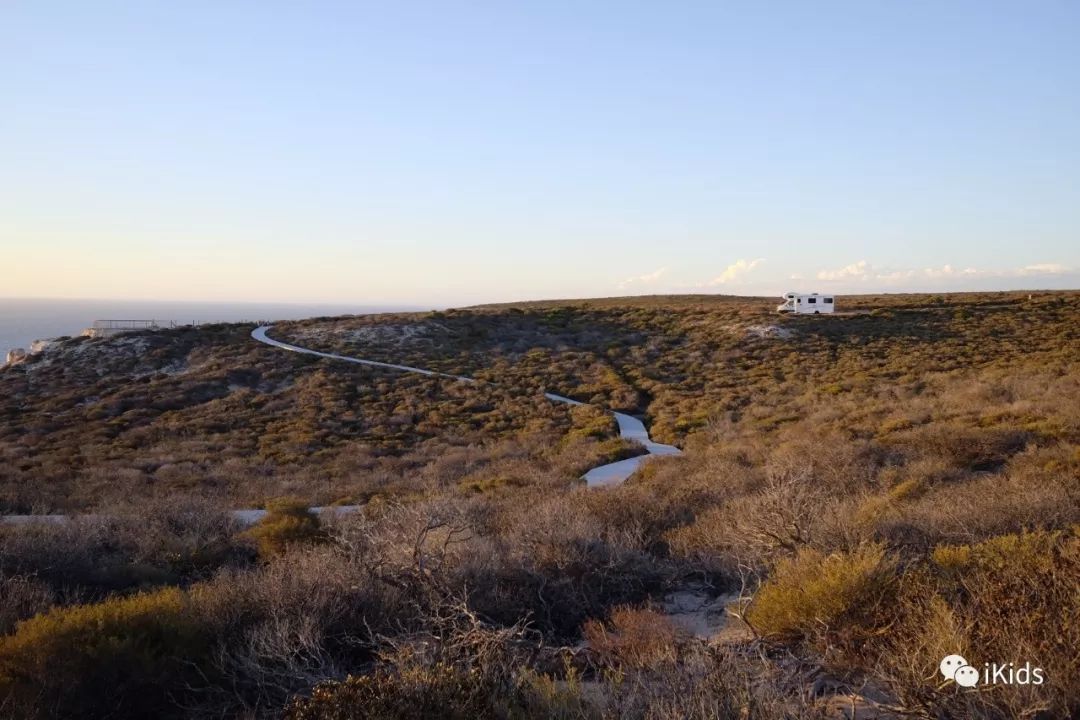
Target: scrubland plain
x,y
872,491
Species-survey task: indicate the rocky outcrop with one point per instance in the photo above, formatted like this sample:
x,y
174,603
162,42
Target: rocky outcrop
x,y
18,355
93,332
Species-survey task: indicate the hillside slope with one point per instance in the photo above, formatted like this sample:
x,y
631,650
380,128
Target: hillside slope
x,y
876,489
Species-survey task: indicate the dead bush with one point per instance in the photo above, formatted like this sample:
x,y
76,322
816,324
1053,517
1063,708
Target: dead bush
x,y
460,668
707,683
554,563
21,597
753,530
979,509
300,618
633,638
975,449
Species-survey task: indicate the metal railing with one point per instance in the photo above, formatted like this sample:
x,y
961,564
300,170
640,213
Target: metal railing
x,y
124,324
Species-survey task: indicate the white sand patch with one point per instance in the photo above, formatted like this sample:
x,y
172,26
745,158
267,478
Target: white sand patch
x,y
704,616
774,332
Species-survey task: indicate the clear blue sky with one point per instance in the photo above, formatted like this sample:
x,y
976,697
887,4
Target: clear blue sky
x,y
447,152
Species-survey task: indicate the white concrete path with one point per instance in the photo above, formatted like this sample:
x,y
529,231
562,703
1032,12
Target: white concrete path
x,y
259,334
630,428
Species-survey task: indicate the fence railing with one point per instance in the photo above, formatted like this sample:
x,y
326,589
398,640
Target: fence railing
x,y
124,324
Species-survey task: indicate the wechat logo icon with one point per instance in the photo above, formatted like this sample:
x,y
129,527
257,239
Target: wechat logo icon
x,y
955,667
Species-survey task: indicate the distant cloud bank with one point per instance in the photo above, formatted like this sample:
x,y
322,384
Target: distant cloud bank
x,y
865,272
749,276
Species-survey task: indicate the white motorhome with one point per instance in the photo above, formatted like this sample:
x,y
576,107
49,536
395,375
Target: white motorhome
x,y
812,304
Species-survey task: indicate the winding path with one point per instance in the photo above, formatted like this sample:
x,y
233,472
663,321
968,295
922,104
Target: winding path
x,y
630,428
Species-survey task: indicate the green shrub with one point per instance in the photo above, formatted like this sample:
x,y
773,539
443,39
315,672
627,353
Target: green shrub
x,y
124,657
287,522
812,593
1018,586
1012,598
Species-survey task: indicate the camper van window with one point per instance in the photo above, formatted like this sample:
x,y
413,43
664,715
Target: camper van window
x,y
828,301
811,300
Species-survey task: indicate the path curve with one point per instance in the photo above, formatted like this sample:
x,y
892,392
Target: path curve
x,y
630,428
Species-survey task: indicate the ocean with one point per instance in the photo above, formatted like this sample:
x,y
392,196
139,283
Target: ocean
x,y
25,320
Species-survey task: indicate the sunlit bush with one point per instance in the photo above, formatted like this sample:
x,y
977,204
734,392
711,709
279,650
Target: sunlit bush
x,y
287,522
124,657
812,593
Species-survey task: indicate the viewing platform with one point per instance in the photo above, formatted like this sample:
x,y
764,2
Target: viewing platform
x,y
108,328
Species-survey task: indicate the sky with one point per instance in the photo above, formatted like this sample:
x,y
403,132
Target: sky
x,y
448,153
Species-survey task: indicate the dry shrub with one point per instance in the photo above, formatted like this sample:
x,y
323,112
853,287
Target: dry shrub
x,y
754,530
967,448
633,638
816,597
549,559
419,550
302,617
980,509
720,682
165,542
21,597
245,640
405,693
459,669
829,462
800,502
186,537
929,629
84,552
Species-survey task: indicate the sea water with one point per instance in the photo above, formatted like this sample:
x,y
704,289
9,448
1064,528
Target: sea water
x,y
24,320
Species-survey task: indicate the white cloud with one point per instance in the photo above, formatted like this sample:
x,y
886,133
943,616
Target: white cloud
x,y
930,273
735,271
1044,269
646,279
948,271
863,272
858,270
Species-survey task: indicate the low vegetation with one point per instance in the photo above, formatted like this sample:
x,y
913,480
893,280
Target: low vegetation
x,y
288,523
873,491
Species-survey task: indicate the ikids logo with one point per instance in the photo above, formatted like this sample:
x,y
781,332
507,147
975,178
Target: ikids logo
x,y
956,668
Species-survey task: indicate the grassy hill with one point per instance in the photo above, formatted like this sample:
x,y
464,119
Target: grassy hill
x,y
877,489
